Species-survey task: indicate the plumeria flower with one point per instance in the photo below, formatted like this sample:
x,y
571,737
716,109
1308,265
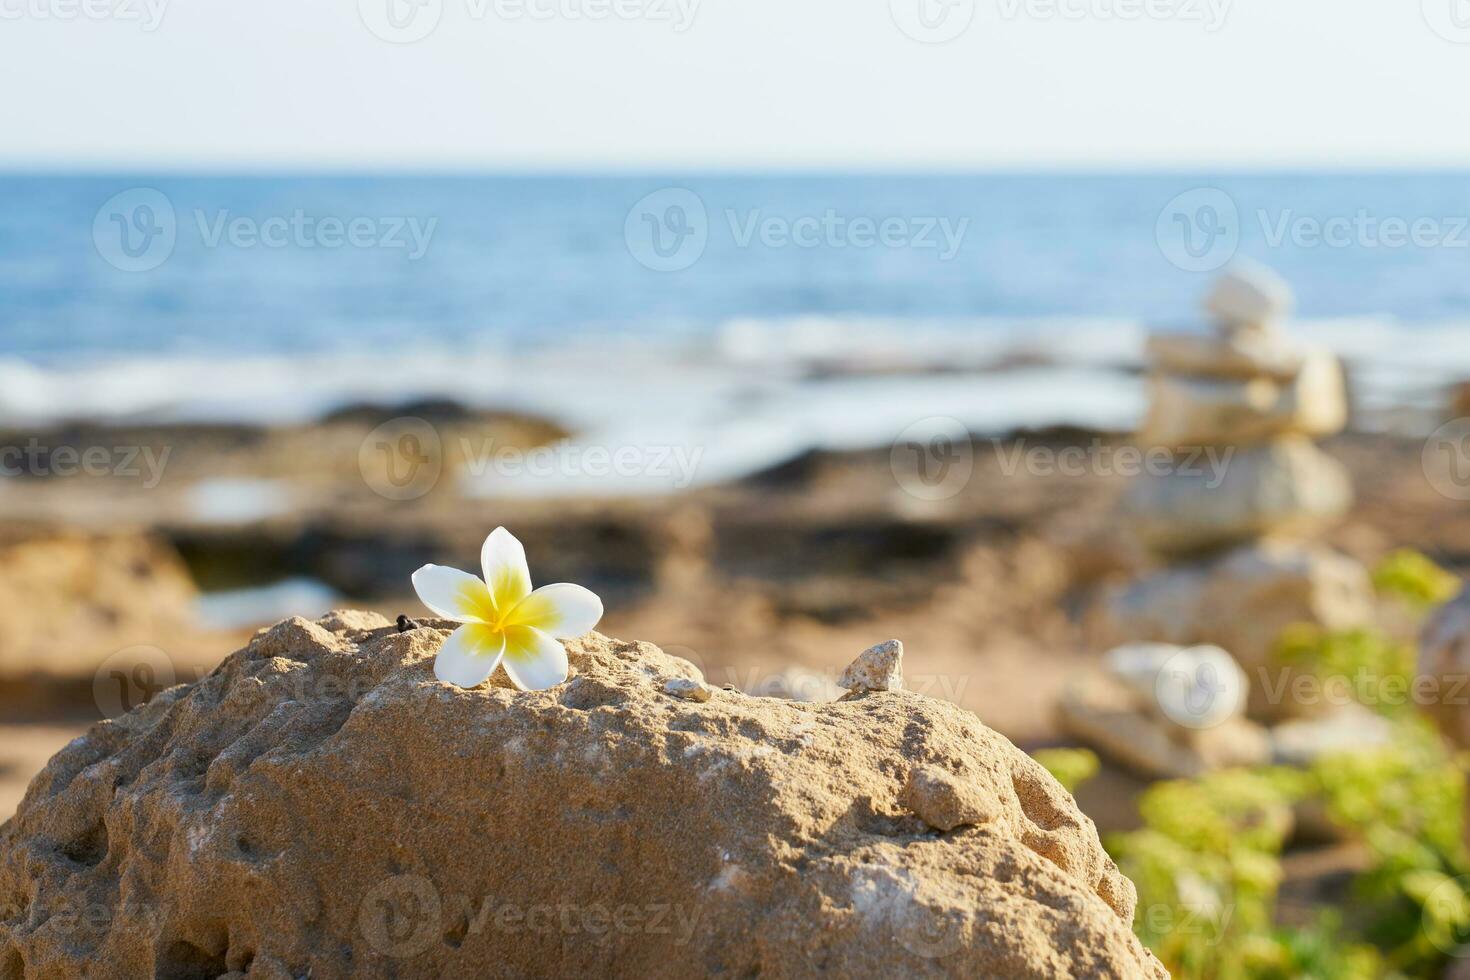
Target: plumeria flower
x,y
504,621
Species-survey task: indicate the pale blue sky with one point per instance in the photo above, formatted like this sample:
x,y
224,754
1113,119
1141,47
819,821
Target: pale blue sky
x,y
745,84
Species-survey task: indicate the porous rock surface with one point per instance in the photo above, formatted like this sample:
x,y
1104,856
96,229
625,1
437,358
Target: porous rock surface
x,y
321,806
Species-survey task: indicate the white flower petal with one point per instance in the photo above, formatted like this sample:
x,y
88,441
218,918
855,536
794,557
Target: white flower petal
x,y
562,610
453,594
534,660
469,656
503,560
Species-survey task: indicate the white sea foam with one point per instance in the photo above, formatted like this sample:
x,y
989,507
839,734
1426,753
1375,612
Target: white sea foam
x,y
747,396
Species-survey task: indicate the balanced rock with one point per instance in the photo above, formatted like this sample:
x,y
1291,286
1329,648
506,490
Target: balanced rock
x,y
1200,355
1190,412
1129,715
1248,295
1197,687
1444,665
321,806
878,668
1237,413
1243,602
1287,487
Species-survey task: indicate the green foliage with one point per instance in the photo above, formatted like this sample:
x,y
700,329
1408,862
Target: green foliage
x,y
1316,950
1207,861
1406,802
1361,665
1414,578
1207,866
1070,767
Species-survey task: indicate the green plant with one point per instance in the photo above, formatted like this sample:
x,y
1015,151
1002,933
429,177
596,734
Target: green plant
x,y
1364,665
1207,867
1414,578
1406,802
1070,767
1207,859
1316,950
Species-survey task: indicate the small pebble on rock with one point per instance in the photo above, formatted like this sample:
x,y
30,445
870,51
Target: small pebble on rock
x,y
878,668
683,687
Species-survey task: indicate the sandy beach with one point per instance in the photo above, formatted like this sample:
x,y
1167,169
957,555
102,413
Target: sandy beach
x,y
795,567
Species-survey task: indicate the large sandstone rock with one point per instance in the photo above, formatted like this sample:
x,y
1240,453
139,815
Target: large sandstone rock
x,y
70,596
1287,487
1187,412
1242,602
321,806
95,621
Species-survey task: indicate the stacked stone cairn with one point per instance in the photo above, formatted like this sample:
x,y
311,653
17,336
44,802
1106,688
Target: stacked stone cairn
x,y
1238,409
1233,518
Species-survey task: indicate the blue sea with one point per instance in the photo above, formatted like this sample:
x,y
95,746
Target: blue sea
x,y
543,258
625,301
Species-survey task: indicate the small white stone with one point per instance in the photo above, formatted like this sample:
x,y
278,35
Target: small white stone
x,y
1194,687
683,687
1106,716
878,668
